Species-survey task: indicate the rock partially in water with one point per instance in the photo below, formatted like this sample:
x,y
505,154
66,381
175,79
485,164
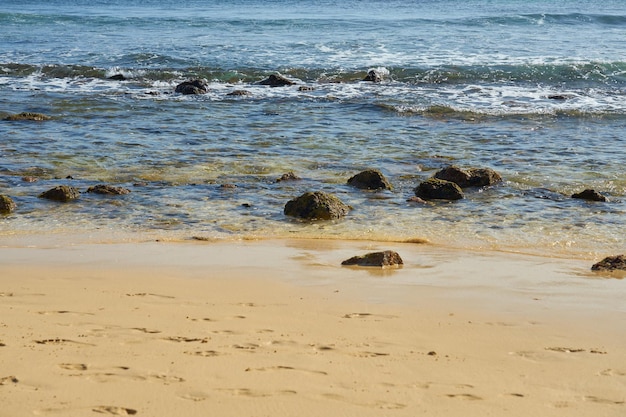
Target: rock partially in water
x,y
192,87
62,193
611,263
108,190
374,76
371,179
590,195
316,206
7,205
380,259
117,77
473,177
27,116
277,80
436,189
239,93
288,176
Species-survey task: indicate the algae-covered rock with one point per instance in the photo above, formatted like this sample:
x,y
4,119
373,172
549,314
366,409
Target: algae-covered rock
x,y
611,263
27,116
7,205
436,189
380,259
108,190
371,179
589,195
62,193
316,206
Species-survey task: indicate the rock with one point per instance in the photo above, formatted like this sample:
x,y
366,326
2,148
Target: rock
x,y
482,177
374,76
29,178
473,177
316,206
108,190
37,117
611,263
192,87
385,258
590,195
117,77
7,205
239,93
371,179
436,189
289,176
61,193
276,80
306,88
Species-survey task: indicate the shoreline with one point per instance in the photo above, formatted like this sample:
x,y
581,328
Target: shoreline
x,y
280,327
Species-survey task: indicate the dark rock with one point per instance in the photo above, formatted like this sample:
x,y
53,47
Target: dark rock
x,y
316,205
590,195
63,193
289,176
611,263
454,174
371,179
108,190
239,93
374,76
7,205
117,77
385,258
37,117
436,189
276,80
482,177
473,177
192,87
557,97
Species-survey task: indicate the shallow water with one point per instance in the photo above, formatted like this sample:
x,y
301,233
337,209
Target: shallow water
x,y
536,91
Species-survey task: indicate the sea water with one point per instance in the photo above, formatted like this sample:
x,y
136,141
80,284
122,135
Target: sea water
x,y
535,90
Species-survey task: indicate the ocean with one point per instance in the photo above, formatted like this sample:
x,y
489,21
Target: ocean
x,y
535,90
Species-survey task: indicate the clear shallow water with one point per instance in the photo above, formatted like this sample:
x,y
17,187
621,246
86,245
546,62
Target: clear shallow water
x,y
471,85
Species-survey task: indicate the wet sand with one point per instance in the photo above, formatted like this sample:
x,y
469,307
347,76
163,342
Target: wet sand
x,y
279,328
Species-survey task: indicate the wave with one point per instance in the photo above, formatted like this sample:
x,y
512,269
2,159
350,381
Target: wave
x,y
146,67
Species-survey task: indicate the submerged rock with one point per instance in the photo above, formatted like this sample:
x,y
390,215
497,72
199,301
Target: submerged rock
x,y
473,177
590,195
371,179
381,259
316,206
276,80
62,193
436,189
192,87
611,263
37,117
7,205
108,190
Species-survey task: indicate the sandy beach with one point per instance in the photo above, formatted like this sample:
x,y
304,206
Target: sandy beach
x,y
280,328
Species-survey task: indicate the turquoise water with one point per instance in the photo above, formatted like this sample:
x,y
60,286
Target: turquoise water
x,y
534,90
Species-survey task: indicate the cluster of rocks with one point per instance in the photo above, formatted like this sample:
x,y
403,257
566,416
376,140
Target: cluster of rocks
x,y
63,194
198,86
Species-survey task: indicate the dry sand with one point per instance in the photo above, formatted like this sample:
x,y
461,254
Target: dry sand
x,y
281,329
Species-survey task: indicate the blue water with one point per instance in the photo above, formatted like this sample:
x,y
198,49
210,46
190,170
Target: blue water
x,y
535,90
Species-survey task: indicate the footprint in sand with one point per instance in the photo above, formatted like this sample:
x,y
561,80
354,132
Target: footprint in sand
x,y
117,411
8,380
603,400
74,366
203,353
470,397
285,368
59,341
